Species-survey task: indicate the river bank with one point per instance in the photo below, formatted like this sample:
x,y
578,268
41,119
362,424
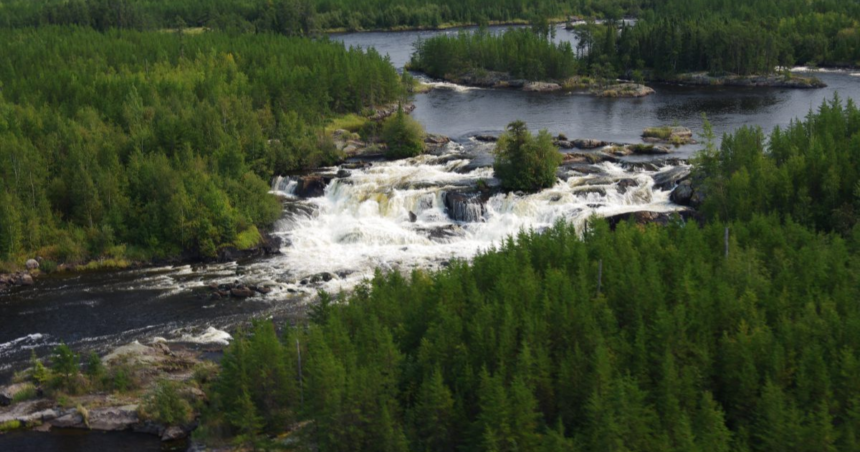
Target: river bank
x,y
154,389
577,85
703,79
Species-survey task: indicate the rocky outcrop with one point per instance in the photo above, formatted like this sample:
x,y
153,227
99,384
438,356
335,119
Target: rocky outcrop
x,y
645,218
688,193
8,393
668,135
269,245
588,144
113,418
625,90
464,206
312,186
434,142
541,87
747,81
384,112
668,179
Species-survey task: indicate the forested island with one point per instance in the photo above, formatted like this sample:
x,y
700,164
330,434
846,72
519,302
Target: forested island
x,y
148,132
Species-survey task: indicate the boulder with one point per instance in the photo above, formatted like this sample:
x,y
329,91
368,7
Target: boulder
x,y
649,149
541,87
465,207
25,280
667,179
113,418
412,217
687,194
486,138
431,138
311,186
32,264
27,411
70,420
241,292
7,394
173,433
265,290
321,277
625,184
588,144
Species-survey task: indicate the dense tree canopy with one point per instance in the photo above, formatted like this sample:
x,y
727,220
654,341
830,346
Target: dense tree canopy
x,y
146,143
524,161
809,171
519,52
637,339
293,16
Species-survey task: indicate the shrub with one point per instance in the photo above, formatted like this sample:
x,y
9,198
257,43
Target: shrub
x,y
29,392
526,162
64,365
165,404
10,425
404,136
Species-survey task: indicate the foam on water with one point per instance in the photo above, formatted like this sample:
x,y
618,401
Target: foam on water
x,y
363,221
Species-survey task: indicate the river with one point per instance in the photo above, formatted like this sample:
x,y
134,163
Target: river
x,y
363,222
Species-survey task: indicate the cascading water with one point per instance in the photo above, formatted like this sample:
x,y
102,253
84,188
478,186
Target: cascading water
x,y
396,216
284,186
421,212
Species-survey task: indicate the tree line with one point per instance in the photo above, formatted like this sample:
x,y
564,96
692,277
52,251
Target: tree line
x,y
637,339
750,37
293,16
520,52
145,144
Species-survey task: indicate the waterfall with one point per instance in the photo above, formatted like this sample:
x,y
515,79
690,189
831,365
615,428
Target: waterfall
x,y
420,212
284,186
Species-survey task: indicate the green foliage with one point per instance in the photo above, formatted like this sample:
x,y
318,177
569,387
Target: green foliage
x,y
403,135
257,390
165,404
802,172
684,349
27,393
9,426
519,52
292,17
41,374
146,144
64,367
526,162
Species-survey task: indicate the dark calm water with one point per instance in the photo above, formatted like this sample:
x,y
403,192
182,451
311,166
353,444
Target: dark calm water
x,y
463,112
79,441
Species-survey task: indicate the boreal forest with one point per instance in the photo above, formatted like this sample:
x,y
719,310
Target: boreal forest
x,y
138,131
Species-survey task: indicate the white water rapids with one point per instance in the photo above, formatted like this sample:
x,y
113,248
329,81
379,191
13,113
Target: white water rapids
x,y
363,221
